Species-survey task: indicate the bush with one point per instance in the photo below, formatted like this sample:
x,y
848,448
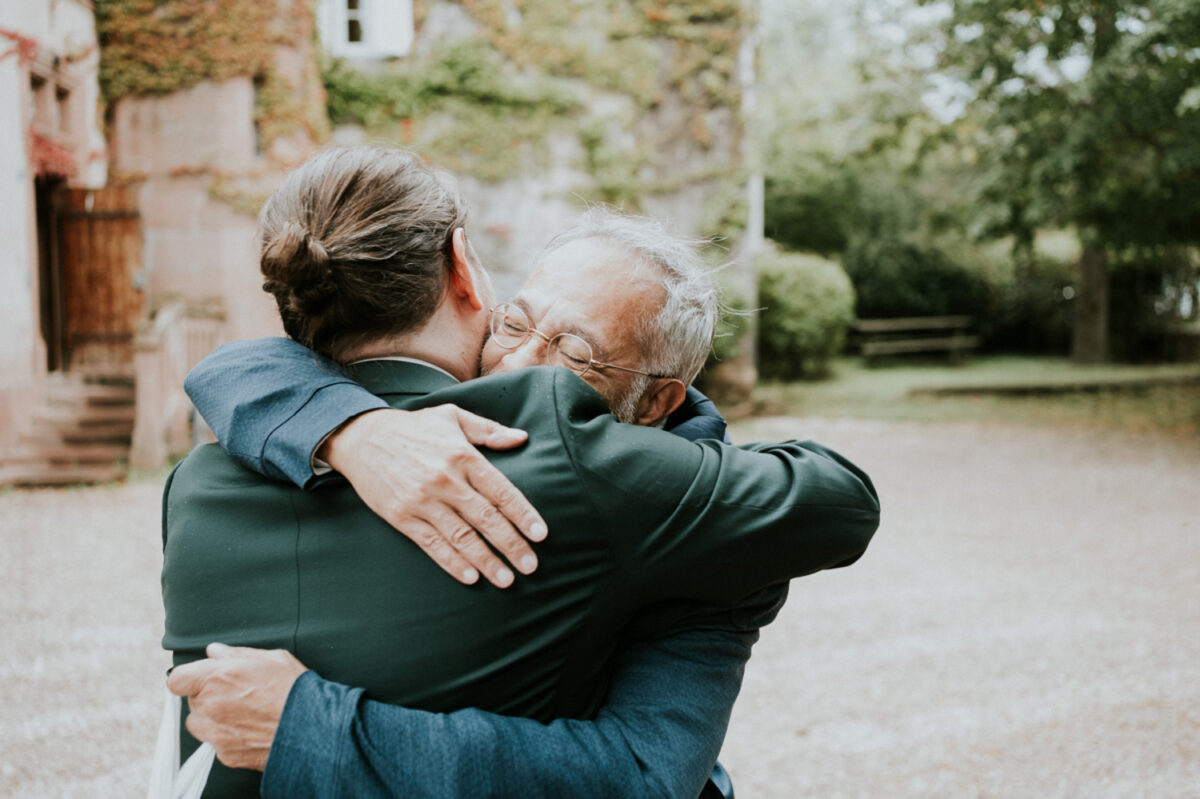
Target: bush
x,y
806,215
1031,310
1149,293
897,279
808,305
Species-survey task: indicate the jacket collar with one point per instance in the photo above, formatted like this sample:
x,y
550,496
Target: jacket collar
x,y
383,377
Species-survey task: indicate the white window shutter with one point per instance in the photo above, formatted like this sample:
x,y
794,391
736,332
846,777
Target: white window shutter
x,y
388,29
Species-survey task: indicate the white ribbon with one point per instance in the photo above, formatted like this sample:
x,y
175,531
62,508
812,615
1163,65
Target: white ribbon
x,y
167,779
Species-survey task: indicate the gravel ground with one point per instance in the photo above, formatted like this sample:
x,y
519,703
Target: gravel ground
x,y
1026,624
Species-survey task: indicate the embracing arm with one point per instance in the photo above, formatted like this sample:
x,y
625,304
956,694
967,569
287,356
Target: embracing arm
x,y
714,521
272,403
657,735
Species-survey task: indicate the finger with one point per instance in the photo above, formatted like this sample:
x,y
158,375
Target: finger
x,y
199,725
435,545
499,492
467,543
189,679
219,651
491,524
488,433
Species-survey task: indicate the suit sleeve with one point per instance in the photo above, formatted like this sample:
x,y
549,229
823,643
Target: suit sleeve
x,y
271,402
657,735
710,522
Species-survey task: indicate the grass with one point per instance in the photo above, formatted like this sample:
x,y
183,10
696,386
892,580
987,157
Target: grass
x,y
1117,397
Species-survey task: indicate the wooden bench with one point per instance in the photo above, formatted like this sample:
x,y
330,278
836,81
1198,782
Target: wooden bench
x,y
947,334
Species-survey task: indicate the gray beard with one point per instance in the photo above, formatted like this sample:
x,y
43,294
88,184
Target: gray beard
x,y
625,406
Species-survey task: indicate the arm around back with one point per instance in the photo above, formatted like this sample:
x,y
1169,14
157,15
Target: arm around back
x,y
712,522
272,401
657,734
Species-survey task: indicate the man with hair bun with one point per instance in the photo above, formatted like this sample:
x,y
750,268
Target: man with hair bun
x,y
609,671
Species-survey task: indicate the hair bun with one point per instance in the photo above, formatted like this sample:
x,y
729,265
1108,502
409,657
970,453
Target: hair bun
x,y
297,264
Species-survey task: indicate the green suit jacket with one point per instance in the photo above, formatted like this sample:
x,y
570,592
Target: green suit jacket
x,y
636,516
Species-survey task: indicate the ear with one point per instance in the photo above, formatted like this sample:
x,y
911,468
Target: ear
x,y
664,396
463,279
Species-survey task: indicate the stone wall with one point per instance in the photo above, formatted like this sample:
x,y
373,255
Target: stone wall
x,y
562,105
57,42
21,347
177,147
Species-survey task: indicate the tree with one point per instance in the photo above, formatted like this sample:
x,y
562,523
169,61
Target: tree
x,y
1082,114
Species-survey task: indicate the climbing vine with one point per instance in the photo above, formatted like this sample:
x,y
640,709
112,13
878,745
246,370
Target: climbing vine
x,y
487,105
24,48
658,53
465,107
619,44
162,46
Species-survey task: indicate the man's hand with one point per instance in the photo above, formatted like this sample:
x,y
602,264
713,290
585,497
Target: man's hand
x,y
421,473
235,699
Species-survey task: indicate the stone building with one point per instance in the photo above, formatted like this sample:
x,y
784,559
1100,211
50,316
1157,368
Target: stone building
x,y
134,256
51,144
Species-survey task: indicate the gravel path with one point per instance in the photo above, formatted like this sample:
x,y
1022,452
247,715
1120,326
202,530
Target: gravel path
x,y
1027,624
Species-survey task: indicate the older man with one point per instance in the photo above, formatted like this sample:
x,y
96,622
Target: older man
x,y
597,304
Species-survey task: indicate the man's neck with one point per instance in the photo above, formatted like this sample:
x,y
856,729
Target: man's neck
x,y
444,341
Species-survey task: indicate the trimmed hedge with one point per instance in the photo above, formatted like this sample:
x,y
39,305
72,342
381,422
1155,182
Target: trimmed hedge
x,y
807,307
896,279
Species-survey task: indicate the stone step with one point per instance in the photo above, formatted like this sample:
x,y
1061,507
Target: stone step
x,y
87,393
84,416
33,475
98,374
40,433
80,433
50,453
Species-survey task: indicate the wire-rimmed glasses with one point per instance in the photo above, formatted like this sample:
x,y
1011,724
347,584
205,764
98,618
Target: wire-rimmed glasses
x,y
511,328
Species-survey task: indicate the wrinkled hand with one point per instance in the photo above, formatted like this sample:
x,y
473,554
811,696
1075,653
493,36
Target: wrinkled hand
x,y
421,473
235,699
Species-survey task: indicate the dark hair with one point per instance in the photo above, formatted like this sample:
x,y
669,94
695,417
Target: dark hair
x,y
356,244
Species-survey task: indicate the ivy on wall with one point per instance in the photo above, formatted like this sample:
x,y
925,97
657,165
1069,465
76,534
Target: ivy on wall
x,y
485,105
163,46
465,107
611,44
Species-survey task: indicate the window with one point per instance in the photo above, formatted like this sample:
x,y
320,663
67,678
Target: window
x,y
45,112
62,99
366,28
353,22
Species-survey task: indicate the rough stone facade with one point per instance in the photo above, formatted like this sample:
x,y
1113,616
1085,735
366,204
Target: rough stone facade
x,y
197,247
48,90
200,155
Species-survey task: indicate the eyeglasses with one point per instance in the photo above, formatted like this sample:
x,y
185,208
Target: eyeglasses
x,y
511,328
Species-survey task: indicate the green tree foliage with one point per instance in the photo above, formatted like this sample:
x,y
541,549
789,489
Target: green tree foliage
x,y
856,171
1084,114
807,307
897,279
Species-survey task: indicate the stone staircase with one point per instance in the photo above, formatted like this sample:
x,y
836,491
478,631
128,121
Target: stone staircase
x,y
80,433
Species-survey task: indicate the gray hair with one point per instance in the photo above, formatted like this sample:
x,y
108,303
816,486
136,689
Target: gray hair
x,y
676,341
